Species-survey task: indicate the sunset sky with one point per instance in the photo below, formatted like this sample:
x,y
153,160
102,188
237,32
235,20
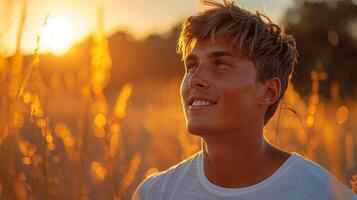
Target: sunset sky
x,y
74,20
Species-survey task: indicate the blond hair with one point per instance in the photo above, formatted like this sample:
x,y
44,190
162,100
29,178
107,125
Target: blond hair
x,y
273,52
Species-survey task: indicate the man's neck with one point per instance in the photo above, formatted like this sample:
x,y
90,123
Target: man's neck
x,y
240,159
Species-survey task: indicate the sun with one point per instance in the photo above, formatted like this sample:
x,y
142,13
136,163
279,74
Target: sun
x,y
57,36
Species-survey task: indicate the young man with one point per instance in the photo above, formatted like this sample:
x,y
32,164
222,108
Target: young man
x,y
237,70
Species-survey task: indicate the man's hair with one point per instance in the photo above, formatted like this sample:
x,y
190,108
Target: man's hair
x,y
273,52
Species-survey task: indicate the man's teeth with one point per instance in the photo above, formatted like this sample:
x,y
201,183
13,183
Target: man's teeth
x,y
201,103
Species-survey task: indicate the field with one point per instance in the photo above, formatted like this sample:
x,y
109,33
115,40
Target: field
x,y
63,137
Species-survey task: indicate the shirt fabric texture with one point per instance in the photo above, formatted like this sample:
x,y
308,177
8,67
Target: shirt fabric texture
x,y
296,179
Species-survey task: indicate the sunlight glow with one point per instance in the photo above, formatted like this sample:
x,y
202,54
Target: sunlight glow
x,y
57,36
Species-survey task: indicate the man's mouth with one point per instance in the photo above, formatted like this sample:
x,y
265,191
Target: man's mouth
x,y
199,103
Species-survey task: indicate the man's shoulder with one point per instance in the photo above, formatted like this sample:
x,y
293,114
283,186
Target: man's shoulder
x,y
314,177
311,172
159,180
314,170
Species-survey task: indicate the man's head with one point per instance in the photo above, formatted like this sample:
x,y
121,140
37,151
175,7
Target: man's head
x,y
238,60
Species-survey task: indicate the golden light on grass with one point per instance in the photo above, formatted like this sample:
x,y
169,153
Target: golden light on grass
x,y
36,109
114,142
27,97
23,146
41,122
100,106
26,160
68,142
99,132
62,131
114,139
131,172
98,171
115,128
122,100
51,146
310,121
49,138
353,183
100,120
32,150
57,36
341,114
101,62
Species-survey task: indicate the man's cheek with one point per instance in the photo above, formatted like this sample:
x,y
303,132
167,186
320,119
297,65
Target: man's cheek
x,y
184,90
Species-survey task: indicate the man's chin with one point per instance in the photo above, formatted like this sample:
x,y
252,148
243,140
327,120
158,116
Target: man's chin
x,y
199,129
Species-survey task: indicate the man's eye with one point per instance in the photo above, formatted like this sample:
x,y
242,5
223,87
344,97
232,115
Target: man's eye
x,y
221,64
190,66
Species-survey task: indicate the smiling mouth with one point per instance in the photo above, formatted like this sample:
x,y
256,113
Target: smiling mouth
x,y
200,104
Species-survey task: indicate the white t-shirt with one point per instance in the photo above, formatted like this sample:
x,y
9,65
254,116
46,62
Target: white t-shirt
x,y
296,179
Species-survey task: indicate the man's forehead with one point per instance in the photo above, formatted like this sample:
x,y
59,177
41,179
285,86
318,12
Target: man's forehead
x,y
208,47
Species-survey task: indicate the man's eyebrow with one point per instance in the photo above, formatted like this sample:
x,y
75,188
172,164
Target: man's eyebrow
x,y
211,54
220,54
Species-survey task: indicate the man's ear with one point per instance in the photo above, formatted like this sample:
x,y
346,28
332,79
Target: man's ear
x,y
271,92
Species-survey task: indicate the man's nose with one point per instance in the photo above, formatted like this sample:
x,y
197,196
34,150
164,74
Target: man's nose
x,y
199,78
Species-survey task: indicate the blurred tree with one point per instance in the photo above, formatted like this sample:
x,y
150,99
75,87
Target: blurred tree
x,y
326,34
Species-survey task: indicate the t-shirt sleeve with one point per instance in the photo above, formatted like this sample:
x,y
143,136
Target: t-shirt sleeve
x,y
337,189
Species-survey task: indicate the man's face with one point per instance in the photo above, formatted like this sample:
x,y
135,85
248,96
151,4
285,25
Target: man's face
x,y
226,82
